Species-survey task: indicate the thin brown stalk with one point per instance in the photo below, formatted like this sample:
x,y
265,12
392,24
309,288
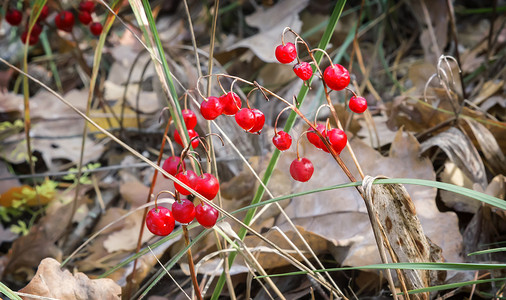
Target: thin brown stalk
x,y
190,263
131,280
451,14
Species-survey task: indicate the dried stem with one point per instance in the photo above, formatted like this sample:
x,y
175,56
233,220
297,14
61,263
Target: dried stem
x,y
190,263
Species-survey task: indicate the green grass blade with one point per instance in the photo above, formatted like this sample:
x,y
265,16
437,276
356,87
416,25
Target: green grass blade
x,y
405,266
502,249
8,292
452,285
275,156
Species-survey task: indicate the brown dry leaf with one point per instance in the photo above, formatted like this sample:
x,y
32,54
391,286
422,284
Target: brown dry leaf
x,y
340,215
109,120
126,238
489,147
488,89
27,251
461,151
51,281
271,22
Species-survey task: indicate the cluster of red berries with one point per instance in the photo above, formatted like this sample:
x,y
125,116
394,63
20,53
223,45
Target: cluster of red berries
x,y
161,220
65,20
252,120
15,17
337,78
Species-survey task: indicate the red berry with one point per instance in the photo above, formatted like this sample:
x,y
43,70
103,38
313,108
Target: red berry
x,y
301,169
286,54
171,165
14,17
336,77
184,211
211,108
337,139
96,28
259,121
208,186
206,215
84,17
36,30
44,12
282,140
231,103
314,139
190,118
245,118
33,38
303,70
64,21
160,221
191,133
357,104
88,6
189,178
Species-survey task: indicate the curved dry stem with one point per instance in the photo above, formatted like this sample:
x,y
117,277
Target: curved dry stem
x,y
163,192
277,119
318,111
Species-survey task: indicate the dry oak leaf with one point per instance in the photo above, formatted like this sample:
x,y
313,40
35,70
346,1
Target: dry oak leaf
x,y
51,281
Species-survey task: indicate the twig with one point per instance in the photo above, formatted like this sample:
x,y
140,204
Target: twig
x,y
190,263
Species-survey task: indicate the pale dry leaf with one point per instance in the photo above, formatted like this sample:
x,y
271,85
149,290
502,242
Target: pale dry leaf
x,y
461,151
452,174
126,238
271,23
340,215
51,281
488,89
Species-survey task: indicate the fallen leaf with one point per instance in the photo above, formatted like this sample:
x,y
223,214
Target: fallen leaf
x,y
340,215
454,175
51,281
271,22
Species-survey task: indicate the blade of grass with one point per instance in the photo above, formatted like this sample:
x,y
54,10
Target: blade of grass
x,y
289,124
502,249
406,266
8,292
454,285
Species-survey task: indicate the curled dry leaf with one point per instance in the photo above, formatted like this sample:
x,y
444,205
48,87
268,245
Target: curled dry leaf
x,y
51,281
461,152
396,219
489,147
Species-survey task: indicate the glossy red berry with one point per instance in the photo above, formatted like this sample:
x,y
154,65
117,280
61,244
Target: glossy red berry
x,y
282,140
14,17
190,118
357,104
88,6
286,54
84,17
184,211
231,103
211,108
245,118
314,139
189,178
64,21
171,165
337,139
160,221
34,38
96,28
206,215
301,169
44,12
336,77
259,121
303,70
191,133
208,186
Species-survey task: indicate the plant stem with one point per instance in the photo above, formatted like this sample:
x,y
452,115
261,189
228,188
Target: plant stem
x,y
190,263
